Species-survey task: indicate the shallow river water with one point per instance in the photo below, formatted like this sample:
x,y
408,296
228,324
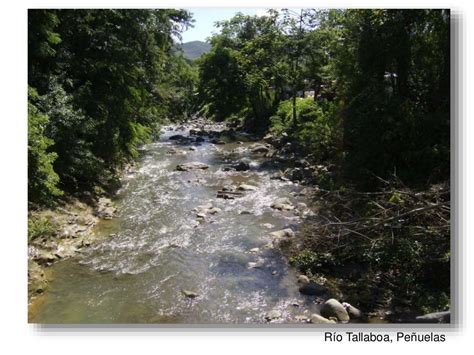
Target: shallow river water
x,y
159,247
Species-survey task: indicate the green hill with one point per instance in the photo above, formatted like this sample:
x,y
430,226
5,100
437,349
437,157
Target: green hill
x,y
195,49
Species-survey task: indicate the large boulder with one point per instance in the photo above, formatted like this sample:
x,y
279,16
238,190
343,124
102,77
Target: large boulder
x,y
241,166
296,174
192,166
310,288
333,308
313,289
283,204
437,317
203,210
283,233
353,312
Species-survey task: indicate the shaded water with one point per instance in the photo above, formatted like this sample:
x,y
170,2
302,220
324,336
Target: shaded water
x,y
160,248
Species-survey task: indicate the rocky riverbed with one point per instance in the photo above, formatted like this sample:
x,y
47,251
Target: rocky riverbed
x,y
198,237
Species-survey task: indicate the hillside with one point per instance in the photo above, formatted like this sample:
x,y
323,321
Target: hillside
x,y
195,49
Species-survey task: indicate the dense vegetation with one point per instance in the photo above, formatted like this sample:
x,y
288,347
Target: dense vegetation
x,y
380,80
365,93
100,83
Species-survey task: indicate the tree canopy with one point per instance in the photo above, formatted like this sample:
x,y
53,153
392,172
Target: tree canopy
x,y
101,83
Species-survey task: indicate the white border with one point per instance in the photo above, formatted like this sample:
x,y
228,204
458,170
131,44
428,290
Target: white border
x,y
18,337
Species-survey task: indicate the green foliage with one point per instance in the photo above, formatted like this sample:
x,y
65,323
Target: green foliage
x,y
220,84
380,78
42,179
315,133
179,89
395,80
106,80
242,75
39,227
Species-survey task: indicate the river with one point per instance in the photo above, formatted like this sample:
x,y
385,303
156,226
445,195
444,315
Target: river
x,y
157,246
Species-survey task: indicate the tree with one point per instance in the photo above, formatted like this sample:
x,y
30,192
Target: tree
x,y
42,179
397,93
102,80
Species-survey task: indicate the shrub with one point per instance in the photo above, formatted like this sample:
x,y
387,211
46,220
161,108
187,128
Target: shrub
x,y
40,227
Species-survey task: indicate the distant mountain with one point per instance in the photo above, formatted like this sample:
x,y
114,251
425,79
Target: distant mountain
x,y
195,49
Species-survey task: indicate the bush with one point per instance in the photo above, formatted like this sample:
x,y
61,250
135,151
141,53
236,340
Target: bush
x,y
40,227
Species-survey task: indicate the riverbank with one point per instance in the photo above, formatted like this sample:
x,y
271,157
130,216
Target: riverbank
x,y
60,233
386,250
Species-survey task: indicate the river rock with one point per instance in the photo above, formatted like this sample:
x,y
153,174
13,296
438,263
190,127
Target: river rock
x,y
37,281
303,279
305,192
246,187
65,250
105,208
197,132
67,232
214,210
301,318
301,205
283,204
192,166
189,294
259,148
203,210
107,213
44,257
283,233
313,289
333,308
437,317
317,319
310,288
229,193
254,264
272,315
245,212
353,312
203,207
241,166
296,174
217,141
177,137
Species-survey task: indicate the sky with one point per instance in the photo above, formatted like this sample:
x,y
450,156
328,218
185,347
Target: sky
x,y
206,17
